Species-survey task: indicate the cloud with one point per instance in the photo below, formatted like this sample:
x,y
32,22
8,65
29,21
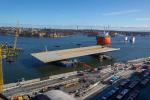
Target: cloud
x,y
121,12
143,19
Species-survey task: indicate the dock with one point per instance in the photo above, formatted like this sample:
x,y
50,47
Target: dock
x,y
50,56
70,83
139,60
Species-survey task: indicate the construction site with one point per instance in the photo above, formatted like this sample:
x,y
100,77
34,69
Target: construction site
x,y
78,85
72,82
75,85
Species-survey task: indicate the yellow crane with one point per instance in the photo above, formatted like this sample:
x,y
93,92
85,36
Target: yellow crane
x,y
12,52
16,35
1,72
1,57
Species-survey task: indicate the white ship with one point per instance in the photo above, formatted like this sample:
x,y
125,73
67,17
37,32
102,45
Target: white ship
x,y
126,39
132,40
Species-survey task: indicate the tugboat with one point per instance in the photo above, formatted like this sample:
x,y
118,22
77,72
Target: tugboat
x,y
103,39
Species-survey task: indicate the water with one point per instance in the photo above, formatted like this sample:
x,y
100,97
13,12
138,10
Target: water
x,y
28,67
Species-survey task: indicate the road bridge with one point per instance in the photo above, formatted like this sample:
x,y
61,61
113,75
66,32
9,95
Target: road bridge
x,y
50,56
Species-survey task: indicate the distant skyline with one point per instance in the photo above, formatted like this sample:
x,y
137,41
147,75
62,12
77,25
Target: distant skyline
x,y
75,12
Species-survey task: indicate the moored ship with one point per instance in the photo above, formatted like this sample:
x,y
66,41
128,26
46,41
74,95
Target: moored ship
x,y
103,39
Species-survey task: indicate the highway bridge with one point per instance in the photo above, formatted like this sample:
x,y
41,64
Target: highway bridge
x,y
50,56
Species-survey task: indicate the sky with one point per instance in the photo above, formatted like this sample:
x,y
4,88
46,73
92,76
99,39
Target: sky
x,y
76,12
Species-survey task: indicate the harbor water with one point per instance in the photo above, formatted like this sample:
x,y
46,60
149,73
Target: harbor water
x,y
28,67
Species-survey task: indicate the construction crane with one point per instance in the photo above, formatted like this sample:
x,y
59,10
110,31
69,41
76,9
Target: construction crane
x,y
16,35
1,72
13,51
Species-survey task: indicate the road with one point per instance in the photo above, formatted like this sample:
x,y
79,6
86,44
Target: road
x,y
27,88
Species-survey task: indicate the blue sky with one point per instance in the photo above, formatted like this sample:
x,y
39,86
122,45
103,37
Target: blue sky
x,y
76,12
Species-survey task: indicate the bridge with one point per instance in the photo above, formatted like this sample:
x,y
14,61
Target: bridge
x,y
50,56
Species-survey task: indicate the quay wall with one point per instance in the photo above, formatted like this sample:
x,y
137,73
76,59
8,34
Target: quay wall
x,y
38,80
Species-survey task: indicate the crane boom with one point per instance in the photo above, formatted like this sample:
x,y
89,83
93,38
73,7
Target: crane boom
x,y
1,72
16,35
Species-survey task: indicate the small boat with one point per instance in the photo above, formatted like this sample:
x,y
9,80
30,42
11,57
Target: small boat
x,y
57,45
11,59
78,44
